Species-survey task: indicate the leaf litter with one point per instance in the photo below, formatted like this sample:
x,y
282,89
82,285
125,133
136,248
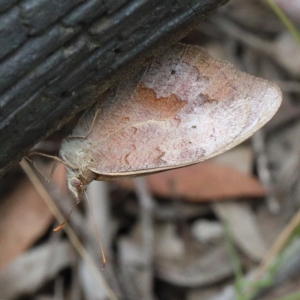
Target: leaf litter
x,y
154,239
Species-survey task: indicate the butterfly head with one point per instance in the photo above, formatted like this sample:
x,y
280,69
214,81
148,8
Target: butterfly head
x,y
78,181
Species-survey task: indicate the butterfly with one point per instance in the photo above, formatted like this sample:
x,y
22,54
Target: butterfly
x,y
182,109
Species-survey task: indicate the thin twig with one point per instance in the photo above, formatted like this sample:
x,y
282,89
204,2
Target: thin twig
x,y
69,231
278,246
147,206
263,171
285,20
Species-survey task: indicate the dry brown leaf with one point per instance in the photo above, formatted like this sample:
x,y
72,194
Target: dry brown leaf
x,y
205,181
184,263
206,268
29,271
243,226
24,217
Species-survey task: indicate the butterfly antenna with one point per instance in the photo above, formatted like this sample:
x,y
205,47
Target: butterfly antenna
x,y
97,231
61,225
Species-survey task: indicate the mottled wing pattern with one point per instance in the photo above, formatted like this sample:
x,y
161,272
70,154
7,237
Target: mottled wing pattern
x,y
184,108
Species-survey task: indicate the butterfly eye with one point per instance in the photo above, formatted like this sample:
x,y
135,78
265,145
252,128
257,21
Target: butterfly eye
x,y
173,72
76,183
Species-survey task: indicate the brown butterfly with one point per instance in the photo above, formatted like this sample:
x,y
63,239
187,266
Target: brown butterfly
x,y
185,107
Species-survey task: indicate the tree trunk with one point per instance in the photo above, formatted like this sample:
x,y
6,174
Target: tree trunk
x,y
57,56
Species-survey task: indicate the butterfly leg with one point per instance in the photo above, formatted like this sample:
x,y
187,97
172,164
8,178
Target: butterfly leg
x,y
37,169
59,160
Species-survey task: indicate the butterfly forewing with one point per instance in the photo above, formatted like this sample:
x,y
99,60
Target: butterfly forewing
x,y
184,108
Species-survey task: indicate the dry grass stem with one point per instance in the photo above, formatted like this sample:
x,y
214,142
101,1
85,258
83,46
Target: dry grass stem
x,y
69,231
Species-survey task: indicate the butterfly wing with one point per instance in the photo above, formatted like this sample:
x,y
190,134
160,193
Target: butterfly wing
x,y
184,108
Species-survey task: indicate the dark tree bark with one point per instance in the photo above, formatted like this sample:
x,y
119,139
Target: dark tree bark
x,y
57,56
